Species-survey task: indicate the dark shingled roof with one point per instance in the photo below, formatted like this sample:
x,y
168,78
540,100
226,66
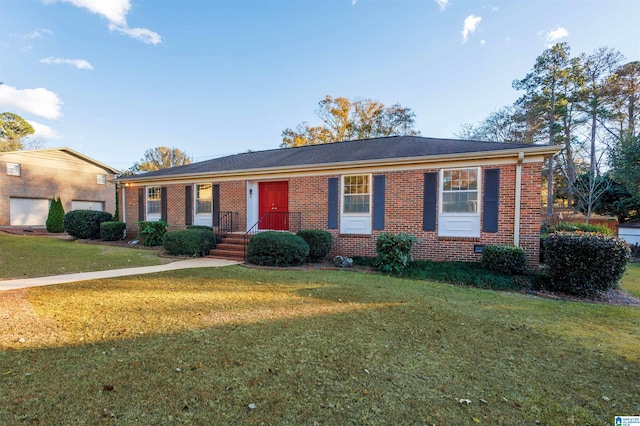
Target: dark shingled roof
x,y
393,147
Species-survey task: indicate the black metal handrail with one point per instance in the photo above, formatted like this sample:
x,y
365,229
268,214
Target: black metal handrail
x,y
274,221
227,222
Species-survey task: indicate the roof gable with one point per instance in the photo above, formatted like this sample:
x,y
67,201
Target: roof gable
x,y
52,154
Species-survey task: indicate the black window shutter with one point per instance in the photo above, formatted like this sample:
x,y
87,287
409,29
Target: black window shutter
x,y
378,202
188,205
163,203
491,200
430,209
332,217
215,201
141,204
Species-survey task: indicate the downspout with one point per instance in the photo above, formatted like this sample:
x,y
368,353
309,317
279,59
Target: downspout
x,y
516,221
124,203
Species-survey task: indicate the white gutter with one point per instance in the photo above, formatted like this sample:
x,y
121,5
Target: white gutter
x,y
516,221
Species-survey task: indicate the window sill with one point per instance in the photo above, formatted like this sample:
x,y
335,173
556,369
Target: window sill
x,y
469,239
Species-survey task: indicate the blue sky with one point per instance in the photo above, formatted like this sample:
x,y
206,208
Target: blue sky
x,y
113,78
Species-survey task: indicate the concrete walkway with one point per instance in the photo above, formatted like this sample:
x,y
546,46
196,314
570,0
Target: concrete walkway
x,y
201,262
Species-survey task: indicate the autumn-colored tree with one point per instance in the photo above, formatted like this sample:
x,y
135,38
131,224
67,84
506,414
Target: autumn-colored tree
x,y
345,120
161,157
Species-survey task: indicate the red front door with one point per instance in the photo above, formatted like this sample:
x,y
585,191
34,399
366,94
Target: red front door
x,y
273,205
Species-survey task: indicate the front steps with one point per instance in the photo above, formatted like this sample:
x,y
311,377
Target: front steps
x,y
231,247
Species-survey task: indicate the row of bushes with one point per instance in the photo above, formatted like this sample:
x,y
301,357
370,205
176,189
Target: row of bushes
x,y
578,262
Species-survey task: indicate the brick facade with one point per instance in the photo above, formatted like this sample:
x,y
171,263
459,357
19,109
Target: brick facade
x,y
54,177
404,192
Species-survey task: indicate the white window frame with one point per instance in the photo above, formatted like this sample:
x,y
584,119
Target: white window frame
x,y
13,169
154,195
101,179
459,224
199,199
356,222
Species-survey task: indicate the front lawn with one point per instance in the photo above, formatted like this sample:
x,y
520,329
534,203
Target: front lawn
x,y
30,256
244,346
631,280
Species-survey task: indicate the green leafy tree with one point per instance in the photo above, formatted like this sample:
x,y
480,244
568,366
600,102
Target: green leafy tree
x,y
593,100
623,90
55,219
13,130
343,120
541,99
616,201
625,160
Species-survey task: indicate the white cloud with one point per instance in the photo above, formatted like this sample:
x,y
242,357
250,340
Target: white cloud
x,y
143,34
493,8
442,3
483,43
41,102
36,34
470,25
43,131
81,64
555,35
116,13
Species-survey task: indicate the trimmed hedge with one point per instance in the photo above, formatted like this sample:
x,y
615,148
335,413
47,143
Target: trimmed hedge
x,y
582,227
277,249
112,231
504,259
55,219
584,264
152,232
319,243
394,252
85,224
190,242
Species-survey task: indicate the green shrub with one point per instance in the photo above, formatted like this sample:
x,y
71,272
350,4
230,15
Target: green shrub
x,y
85,224
190,242
112,231
505,259
394,252
583,227
464,273
152,232
319,243
55,219
277,249
583,263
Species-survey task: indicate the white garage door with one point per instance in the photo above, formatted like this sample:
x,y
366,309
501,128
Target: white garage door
x,y
87,205
28,211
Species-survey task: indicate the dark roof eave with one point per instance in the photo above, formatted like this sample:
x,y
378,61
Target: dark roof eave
x,y
545,150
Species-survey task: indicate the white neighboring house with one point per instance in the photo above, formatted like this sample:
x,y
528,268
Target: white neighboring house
x,y
630,232
30,179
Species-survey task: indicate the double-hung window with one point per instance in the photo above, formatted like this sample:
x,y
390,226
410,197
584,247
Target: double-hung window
x,y
356,204
204,203
459,202
154,203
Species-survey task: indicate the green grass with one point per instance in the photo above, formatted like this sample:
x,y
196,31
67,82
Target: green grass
x,y
631,280
29,256
311,347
